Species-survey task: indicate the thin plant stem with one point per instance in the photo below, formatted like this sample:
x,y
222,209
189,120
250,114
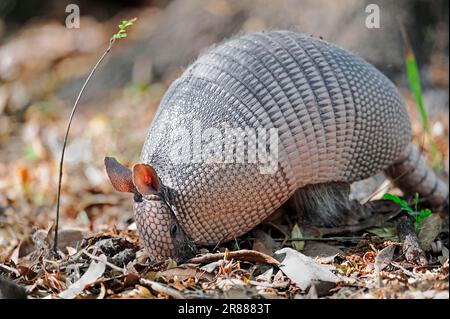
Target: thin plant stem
x,y
61,161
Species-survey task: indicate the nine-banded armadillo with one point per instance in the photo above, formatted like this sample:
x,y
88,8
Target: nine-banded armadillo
x,y
337,118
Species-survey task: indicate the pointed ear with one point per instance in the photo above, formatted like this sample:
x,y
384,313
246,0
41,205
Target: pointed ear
x,y
119,175
145,179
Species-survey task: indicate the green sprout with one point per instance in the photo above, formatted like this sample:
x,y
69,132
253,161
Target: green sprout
x,y
419,216
122,33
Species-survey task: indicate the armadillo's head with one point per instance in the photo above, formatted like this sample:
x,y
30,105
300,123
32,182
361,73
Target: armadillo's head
x,y
156,222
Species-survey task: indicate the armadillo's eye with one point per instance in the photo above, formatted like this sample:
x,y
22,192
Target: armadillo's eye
x,y
173,230
137,198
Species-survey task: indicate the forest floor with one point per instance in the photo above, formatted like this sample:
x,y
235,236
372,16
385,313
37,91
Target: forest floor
x,y
100,255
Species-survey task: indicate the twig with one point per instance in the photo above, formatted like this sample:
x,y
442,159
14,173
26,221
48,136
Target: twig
x,y
161,288
120,34
61,161
244,254
411,246
9,269
107,263
343,238
407,272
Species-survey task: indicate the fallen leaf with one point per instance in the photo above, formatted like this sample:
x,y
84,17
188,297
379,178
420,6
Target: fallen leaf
x,y
225,283
303,270
161,288
26,247
312,293
445,252
131,279
15,255
442,259
265,276
144,292
171,263
384,258
182,273
69,238
71,251
66,238
232,290
102,293
95,270
213,265
298,245
280,280
431,227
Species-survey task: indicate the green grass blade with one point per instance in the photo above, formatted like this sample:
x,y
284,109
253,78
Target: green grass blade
x,y
414,82
415,85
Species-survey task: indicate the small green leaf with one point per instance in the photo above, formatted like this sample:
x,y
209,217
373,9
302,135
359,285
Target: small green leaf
x,y
420,217
122,33
404,204
425,213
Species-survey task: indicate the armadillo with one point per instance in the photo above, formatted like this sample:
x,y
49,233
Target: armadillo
x,y
338,120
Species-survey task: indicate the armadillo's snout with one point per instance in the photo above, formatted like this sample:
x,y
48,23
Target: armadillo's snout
x,y
159,230
155,220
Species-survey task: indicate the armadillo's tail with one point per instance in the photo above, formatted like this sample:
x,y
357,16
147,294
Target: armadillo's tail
x,y
411,174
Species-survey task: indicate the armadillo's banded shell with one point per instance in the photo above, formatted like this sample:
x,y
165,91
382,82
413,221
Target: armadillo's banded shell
x,y
338,118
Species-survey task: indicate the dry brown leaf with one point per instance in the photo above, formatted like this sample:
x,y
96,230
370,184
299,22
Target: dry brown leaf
x,y
304,270
384,258
183,273
431,227
95,270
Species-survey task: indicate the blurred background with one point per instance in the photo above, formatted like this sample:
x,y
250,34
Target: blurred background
x,y
43,65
